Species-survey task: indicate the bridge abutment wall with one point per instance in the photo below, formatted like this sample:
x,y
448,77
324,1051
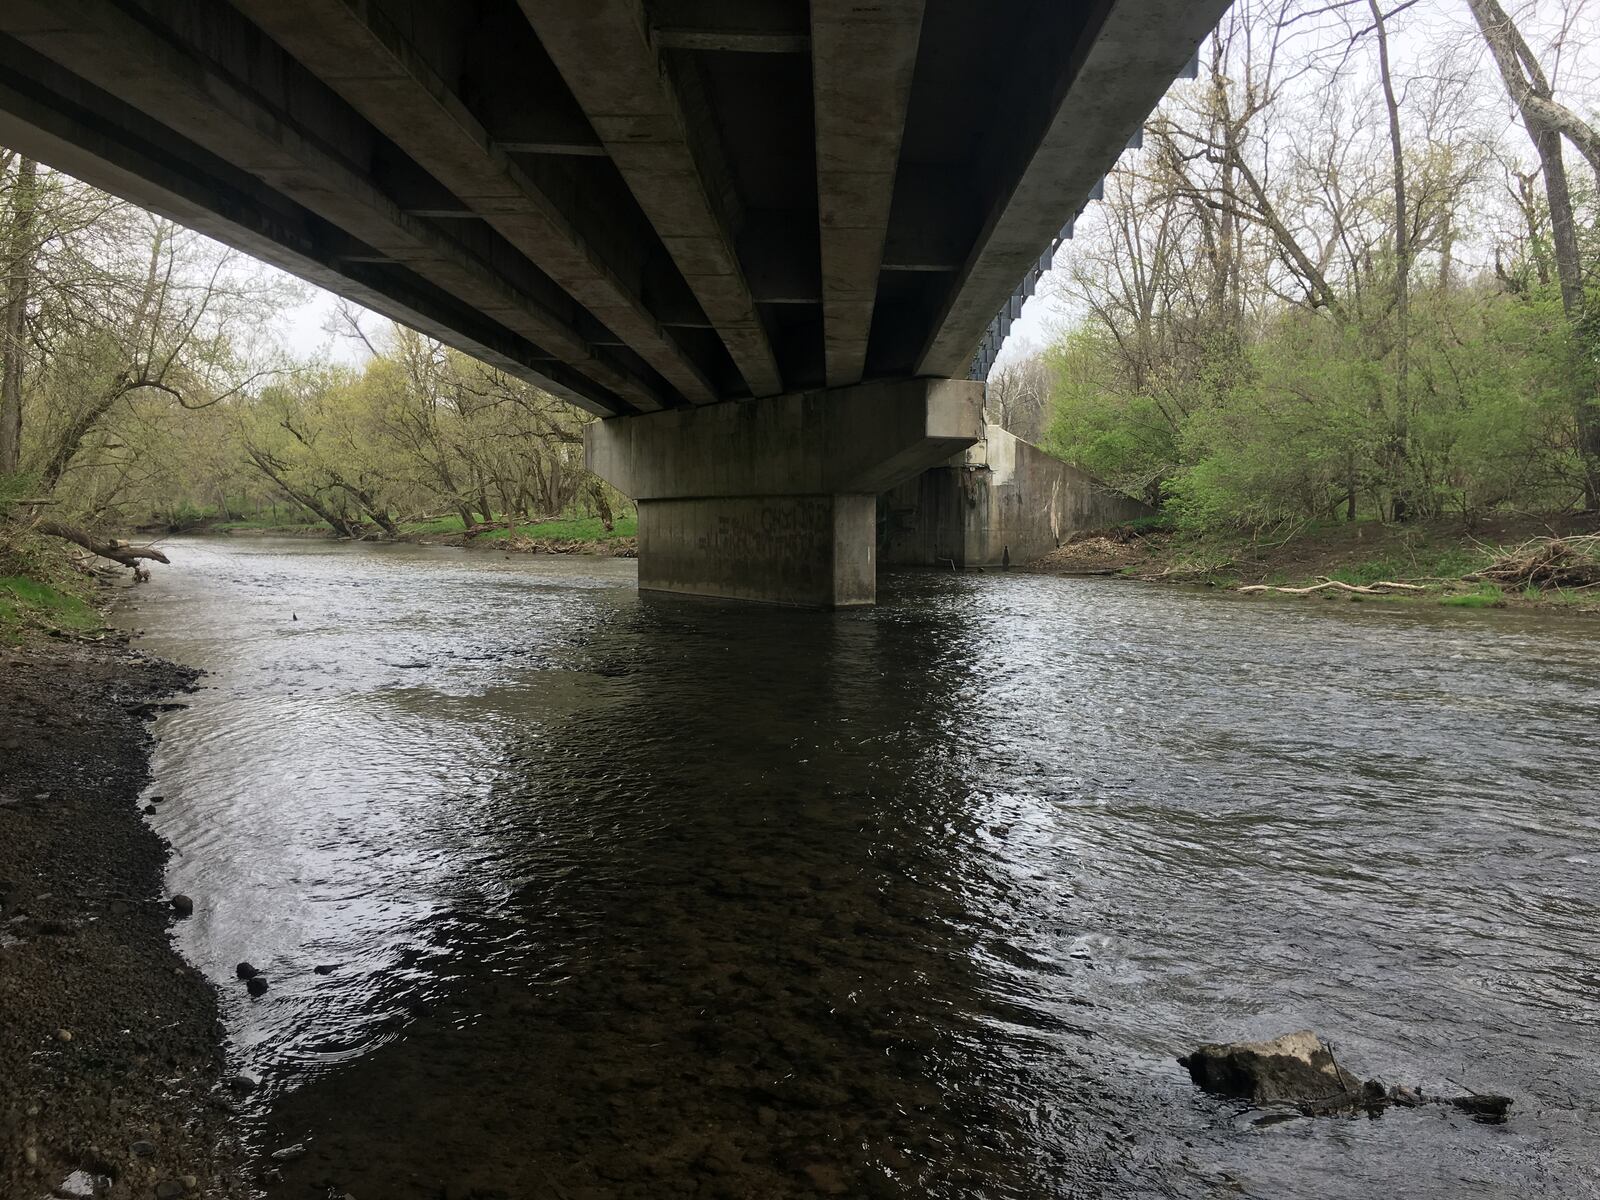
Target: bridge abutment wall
x,y
1001,499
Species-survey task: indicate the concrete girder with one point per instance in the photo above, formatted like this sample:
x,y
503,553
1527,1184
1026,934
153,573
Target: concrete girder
x,y
354,49
1128,62
863,56
740,26
215,110
603,50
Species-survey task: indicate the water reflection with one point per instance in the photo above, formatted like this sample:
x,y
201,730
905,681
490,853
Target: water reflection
x,y
649,898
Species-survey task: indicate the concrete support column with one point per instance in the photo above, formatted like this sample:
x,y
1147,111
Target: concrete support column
x,y
775,500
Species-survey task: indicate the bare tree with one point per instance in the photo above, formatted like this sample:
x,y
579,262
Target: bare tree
x,y
1019,394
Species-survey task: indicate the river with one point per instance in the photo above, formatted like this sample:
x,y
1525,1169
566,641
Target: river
x,y
622,896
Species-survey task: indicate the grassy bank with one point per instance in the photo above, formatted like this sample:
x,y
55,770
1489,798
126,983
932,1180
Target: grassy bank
x,y
1450,563
41,595
26,604
566,533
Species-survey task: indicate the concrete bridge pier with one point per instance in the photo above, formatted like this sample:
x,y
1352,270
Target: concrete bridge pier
x,y
776,501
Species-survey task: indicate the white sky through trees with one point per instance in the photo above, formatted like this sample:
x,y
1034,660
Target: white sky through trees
x,y
1423,38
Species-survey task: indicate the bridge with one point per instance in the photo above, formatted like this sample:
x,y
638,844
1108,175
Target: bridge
x,y
764,238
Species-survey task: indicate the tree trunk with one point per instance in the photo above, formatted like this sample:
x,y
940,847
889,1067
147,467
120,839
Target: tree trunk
x,y
19,279
602,505
78,429
1400,426
370,506
1546,121
310,503
116,551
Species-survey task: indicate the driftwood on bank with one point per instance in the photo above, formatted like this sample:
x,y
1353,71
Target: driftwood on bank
x,y
115,549
1383,587
1569,562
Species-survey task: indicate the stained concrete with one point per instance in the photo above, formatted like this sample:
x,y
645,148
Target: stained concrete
x,y
807,551
1002,499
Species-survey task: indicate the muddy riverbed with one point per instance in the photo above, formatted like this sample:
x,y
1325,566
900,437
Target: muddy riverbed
x,y
561,891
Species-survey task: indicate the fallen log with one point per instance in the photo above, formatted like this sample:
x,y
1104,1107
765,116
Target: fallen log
x,y
1383,587
115,549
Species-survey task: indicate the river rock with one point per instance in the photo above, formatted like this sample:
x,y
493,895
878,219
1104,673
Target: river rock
x,y
143,1149
1297,1068
182,905
245,971
81,1185
256,985
1487,1108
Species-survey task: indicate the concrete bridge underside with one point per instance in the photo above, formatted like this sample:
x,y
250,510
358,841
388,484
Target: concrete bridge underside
x,y
653,208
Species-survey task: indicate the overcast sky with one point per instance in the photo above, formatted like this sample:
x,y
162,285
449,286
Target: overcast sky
x,y
1421,30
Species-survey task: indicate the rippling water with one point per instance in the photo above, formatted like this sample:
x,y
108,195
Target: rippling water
x,y
643,897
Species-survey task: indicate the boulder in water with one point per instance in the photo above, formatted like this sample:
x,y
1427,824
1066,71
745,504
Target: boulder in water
x,y
1297,1068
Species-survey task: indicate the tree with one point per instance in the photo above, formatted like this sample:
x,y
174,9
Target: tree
x,y
20,252
1547,122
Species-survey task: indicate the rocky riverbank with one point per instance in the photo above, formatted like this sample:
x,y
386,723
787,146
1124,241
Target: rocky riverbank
x,y
110,1044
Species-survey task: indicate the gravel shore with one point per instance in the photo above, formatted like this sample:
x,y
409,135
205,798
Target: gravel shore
x,y
111,1060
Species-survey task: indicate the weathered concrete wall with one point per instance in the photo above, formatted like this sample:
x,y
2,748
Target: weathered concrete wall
x,y
1001,497
809,551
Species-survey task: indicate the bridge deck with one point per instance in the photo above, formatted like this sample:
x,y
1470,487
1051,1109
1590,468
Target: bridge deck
x,y
638,204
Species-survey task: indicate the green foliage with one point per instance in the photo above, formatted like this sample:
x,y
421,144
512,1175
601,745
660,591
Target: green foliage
x,y
1488,596
1305,420
1445,562
27,603
573,529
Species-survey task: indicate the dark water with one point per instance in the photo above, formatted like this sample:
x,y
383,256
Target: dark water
x,y
639,897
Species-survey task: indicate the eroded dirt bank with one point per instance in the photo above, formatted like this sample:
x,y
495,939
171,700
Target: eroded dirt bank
x,y
110,1045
